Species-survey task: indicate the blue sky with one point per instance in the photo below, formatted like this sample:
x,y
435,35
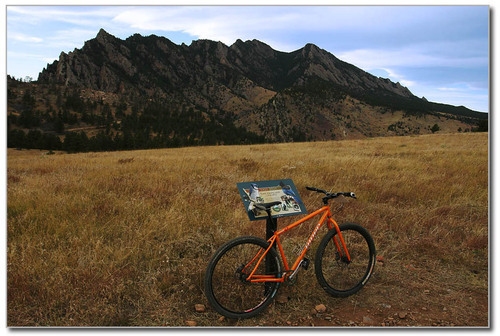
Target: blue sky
x,y
440,52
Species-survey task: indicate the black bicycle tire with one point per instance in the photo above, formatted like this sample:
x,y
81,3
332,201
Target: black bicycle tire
x,y
209,293
369,268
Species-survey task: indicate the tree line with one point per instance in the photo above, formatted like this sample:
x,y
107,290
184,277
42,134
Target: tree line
x,y
46,123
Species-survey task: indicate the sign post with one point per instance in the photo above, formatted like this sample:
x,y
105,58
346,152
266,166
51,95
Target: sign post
x,y
271,227
283,193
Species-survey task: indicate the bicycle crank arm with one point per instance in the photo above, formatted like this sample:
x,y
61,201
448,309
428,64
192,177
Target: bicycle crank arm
x,y
304,263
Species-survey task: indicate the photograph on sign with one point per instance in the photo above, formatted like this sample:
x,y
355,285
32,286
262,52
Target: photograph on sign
x,y
283,191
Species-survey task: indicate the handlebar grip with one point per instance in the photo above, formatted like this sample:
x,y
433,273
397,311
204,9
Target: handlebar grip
x,y
311,188
353,195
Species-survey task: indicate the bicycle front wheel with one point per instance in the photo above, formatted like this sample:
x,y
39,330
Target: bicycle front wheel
x,y
338,275
226,285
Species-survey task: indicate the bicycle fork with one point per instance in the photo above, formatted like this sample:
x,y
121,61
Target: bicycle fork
x,y
347,257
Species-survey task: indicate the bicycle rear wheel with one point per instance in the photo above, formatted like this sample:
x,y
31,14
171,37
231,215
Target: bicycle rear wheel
x,y
226,287
338,275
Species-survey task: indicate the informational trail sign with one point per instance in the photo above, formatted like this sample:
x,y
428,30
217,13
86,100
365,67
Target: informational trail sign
x,y
283,191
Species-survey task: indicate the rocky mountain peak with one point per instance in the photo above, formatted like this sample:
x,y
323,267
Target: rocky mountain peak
x,y
104,37
311,50
155,64
253,46
306,94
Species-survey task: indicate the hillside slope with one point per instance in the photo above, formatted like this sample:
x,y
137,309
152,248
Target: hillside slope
x,y
146,87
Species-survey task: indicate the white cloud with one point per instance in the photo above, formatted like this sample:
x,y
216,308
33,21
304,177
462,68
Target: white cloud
x,y
70,38
477,101
396,77
182,19
407,83
32,56
225,24
451,89
414,56
391,73
49,60
24,38
460,87
77,15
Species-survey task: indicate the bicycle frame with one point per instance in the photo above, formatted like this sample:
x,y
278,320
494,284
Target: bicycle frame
x,y
327,215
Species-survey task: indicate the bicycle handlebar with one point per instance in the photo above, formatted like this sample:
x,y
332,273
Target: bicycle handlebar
x,y
316,189
330,196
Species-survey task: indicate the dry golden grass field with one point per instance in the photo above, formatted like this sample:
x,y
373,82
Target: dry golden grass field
x,y
123,238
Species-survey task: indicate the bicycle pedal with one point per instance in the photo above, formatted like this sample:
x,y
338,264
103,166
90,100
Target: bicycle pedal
x,y
305,263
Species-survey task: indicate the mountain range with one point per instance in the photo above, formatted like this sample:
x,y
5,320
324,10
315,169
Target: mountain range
x,y
307,94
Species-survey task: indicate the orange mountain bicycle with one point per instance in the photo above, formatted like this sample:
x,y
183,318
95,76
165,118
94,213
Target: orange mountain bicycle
x,y
244,275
